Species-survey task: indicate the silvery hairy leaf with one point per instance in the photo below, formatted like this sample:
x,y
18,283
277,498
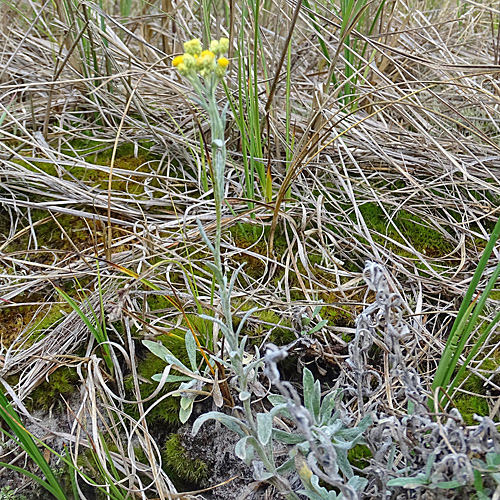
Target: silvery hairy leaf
x,y
171,378
259,473
312,393
158,349
204,236
287,437
264,427
191,348
232,423
244,449
186,409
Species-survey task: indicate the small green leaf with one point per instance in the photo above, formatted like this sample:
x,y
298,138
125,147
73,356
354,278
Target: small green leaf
x,y
312,394
185,412
343,463
358,483
158,349
318,327
232,423
447,485
191,349
244,449
287,466
408,482
264,427
244,395
287,437
186,402
276,399
327,407
171,378
308,383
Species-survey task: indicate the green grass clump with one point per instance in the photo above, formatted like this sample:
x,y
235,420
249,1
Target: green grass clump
x,y
184,470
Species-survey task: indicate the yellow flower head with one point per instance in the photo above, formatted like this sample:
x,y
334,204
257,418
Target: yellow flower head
x,y
205,64
222,64
208,55
222,61
177,60
193,47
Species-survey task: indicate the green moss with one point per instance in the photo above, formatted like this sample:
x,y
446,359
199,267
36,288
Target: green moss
x,y
165,413
51,318
248,235
470,402
94,152
50,236
416,230
359,456
469,405
263,322
31,318
62,382
184,470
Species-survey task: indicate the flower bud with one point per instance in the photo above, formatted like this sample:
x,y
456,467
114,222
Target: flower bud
x,y
223,45
193,47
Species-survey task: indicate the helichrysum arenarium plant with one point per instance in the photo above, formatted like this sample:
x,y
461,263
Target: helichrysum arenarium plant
x,y
204,69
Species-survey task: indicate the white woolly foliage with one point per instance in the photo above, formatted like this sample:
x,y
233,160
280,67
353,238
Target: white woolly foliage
x,y
415,454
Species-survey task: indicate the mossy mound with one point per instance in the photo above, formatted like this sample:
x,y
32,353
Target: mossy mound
x,y
33,317
473,401
185,471
166,413
405,225
62,382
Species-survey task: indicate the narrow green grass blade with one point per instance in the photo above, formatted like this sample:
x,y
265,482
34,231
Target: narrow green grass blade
x,y
27,443
458,331
100,335
80,313
472,322
314,24
453,341
480,341
33,477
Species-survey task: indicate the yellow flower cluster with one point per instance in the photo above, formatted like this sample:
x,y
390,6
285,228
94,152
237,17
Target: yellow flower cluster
x,y
205,62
